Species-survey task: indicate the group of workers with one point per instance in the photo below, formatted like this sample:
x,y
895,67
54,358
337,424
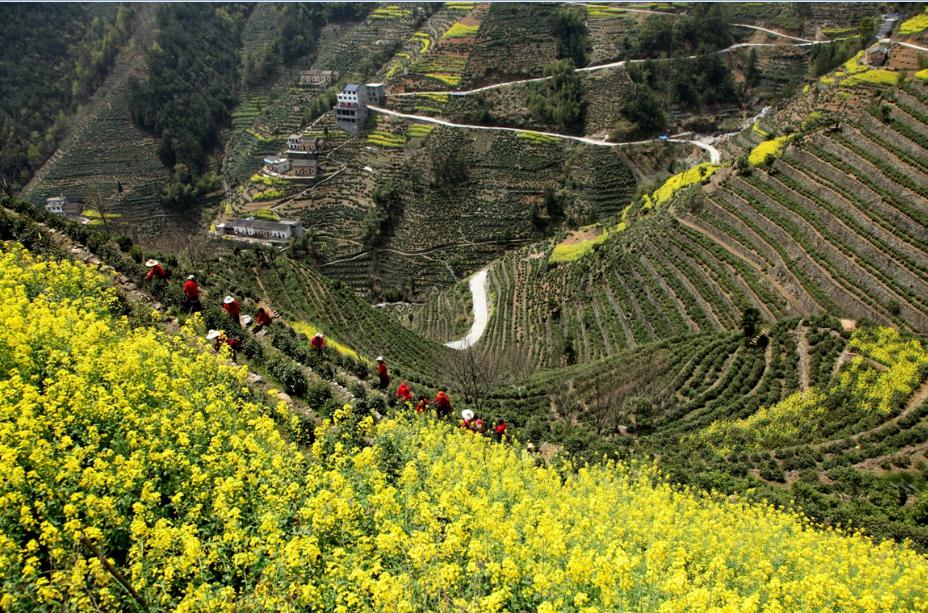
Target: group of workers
x,y
442,405
192,302
442,402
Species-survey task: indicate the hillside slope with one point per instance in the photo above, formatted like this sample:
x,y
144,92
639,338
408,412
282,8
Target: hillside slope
x,y
837,224
104,148
164,483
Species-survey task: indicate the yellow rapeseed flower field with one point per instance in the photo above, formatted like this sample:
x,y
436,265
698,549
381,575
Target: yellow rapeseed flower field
x,y
140,473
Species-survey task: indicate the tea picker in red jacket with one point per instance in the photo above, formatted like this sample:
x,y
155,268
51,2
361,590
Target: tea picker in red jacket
x,y
383,377
192,295
230,305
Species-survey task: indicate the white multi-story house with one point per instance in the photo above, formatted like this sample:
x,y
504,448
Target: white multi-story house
x,y
351,108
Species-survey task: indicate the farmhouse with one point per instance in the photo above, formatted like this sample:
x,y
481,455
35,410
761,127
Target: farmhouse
x,y
877,55
303,163
300,142
351,108
322,78
60,205
260,229
888,23
376,93
277,165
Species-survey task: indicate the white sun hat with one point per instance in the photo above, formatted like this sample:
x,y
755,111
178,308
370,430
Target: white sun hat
x,y
380,358
228,300
212,334
151,262
467,414
246,319
191,278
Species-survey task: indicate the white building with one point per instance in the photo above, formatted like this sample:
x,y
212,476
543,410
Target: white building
x,y
277,164
351,108
57,204
261,229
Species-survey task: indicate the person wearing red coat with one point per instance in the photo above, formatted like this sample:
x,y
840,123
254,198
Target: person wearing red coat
x,y
442,404
192,294
383,377
318,342
500,430
262,318
404,393
155,270
231,306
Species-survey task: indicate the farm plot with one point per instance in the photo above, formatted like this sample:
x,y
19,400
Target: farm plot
x,y
514,42
299,293
442,65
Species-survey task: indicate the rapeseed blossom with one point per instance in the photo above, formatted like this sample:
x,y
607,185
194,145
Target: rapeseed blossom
x,y
140,472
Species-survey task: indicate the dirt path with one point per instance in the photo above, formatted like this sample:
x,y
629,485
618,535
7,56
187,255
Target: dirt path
x,y
802,348
478,290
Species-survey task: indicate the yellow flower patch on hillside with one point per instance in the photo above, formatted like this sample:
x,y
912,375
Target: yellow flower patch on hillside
x,y
148,450
768,149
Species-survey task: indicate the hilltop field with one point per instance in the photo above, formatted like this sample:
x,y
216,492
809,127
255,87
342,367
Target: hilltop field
x,y
680,250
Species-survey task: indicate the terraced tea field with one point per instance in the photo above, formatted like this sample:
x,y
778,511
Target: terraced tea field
x,y
104,148
299,293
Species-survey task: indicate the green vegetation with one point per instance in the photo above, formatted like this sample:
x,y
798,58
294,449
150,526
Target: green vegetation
x,y
51,60
187,103
559,99
569,28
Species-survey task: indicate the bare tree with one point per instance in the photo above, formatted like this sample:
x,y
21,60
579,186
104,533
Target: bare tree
x,y
98,203
474,373
602,404
5,186
564,401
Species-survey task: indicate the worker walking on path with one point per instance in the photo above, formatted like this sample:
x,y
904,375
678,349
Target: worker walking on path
x,y
230,305
404,393
442,404
192,295
383,377
318,342
155,270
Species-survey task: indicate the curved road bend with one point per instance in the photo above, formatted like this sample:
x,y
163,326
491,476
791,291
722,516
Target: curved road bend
x,y
478,291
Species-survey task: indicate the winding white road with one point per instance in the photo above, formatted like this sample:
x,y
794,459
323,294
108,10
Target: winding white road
x,y
478,291
714,155
804,43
